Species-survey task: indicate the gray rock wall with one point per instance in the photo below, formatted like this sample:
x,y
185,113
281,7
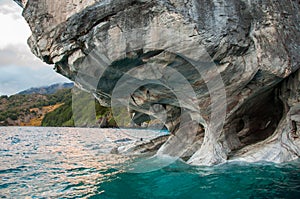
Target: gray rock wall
x,y
230,68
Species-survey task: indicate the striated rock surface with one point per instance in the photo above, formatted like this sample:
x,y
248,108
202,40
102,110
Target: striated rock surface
x,y
222,76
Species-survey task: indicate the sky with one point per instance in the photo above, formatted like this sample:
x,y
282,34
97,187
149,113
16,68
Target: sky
x,y
19,68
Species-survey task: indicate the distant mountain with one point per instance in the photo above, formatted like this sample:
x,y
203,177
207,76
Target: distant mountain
x,y
45,90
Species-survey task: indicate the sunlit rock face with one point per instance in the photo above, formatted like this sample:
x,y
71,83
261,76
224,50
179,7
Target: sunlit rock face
x,y
222,76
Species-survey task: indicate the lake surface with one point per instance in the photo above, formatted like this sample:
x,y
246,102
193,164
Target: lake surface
x,y
76,163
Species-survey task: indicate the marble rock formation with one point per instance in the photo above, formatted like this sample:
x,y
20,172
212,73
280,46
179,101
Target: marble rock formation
x,y
222,75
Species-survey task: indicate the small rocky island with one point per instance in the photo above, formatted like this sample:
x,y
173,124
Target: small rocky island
x,y
221,75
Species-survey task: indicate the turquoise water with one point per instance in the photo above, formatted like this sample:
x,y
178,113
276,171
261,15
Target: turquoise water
x,y
226,181
76,163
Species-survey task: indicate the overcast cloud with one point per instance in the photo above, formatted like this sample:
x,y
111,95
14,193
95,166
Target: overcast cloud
x,y
19,68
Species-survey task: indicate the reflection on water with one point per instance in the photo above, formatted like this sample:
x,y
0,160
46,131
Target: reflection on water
x,y
56,162
76,163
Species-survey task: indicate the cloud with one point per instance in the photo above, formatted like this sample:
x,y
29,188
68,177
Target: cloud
x,y
19,68
14,79
14,28
10,8
13,38
19,55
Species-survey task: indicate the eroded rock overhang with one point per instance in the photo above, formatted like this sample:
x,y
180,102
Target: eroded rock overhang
x,y
166,59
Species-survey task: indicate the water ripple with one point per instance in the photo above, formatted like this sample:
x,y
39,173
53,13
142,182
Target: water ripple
x,y
75,163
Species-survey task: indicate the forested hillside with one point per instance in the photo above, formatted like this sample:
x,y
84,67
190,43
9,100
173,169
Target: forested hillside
x,y
86,104
29,109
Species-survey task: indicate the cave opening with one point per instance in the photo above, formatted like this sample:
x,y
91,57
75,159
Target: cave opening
x,y
258,119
